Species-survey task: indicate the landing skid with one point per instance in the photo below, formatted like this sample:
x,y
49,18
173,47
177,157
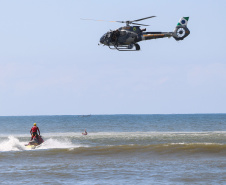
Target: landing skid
x,y
131,47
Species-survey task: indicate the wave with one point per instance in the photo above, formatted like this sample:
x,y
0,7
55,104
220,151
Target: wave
x,y
159,143
178,150
14,144
11,144
65,147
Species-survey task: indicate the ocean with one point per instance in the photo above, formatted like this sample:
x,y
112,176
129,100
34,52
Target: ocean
x,y
119,149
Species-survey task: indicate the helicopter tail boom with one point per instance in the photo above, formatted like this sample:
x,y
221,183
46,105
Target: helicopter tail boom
x,y
156,35
180,32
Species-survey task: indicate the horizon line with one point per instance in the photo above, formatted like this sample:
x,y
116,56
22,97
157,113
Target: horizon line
x,y
109,114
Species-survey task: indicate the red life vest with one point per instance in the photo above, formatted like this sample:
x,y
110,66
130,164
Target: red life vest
x,y
34,129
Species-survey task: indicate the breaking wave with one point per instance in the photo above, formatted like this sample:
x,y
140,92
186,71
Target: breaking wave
x,y
12,143
113,143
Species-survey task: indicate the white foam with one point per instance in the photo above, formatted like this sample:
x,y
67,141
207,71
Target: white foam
x,y
12,144
57,144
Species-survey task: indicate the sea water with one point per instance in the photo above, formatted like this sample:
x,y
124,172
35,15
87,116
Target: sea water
x,y
119,149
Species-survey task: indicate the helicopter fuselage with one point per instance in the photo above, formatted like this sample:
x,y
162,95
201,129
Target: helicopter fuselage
x,y
125,38
128,36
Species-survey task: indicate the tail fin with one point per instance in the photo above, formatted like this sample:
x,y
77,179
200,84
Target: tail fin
x,y
183,21
181,31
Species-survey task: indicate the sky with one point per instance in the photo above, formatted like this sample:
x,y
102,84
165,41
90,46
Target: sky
x,y
51,64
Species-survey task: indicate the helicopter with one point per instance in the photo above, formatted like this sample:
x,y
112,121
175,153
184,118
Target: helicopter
x,y
126,38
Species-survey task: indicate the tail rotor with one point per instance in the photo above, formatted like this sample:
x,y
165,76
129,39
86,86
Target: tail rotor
x,y
181,31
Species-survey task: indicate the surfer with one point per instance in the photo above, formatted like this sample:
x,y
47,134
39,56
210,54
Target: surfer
x,y
33,132
84,133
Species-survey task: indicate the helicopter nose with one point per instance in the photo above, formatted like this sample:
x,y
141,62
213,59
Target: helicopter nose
x,y
102,39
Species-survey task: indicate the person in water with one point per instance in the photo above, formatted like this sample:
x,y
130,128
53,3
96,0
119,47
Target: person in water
x,y
33,132
84,133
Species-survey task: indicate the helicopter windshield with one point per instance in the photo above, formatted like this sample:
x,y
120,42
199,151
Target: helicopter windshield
x,y
105,36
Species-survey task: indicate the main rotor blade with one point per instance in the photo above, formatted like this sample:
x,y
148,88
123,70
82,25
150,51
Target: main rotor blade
x,y
140,24
143,19
97,20
120,21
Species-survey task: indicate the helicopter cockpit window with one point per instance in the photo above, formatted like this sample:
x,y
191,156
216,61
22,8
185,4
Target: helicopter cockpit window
x,y
108,34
